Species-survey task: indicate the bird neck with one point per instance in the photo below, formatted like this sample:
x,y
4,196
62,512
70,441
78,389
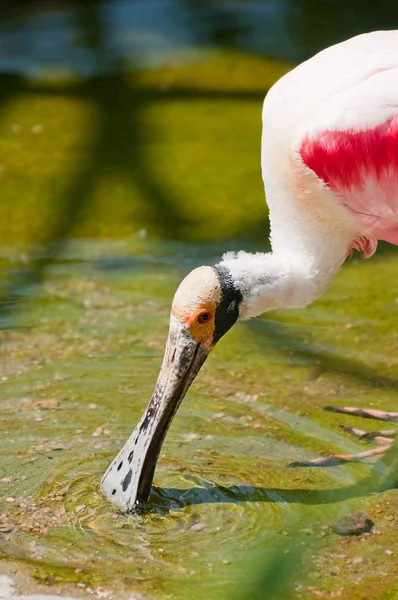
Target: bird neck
x,y
275,280
311,236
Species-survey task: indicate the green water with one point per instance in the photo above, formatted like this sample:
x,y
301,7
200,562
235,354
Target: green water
x,y
81,352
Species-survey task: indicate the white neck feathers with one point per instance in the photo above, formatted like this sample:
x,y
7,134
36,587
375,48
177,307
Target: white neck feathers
x,y
268,282
311,235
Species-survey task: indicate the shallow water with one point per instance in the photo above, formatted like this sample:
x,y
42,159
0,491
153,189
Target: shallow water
x,y
128,162
78,371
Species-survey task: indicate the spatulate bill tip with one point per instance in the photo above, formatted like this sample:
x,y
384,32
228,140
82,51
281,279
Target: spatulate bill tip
x,y
119,483
128,479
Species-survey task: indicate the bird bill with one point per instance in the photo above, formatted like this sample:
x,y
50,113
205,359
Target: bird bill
x,y
128,480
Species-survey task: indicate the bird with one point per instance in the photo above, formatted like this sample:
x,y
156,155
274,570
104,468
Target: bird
x,y
329,159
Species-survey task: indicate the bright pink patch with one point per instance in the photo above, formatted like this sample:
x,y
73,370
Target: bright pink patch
x,y
344,159
362,166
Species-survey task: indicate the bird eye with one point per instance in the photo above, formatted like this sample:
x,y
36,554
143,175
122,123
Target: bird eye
x,y
204,317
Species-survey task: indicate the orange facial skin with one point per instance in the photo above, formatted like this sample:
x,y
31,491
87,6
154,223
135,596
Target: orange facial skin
x,y
202,330
195,303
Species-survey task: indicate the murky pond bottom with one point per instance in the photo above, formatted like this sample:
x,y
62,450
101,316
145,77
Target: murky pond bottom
x,y
79,363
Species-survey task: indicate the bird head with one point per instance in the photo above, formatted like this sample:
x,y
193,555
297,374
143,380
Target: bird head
x,y
205,307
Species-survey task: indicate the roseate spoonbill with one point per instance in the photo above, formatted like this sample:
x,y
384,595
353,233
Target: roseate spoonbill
x,y
330,169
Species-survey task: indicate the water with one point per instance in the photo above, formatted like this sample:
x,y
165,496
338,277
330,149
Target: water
x,y
150,175
150,32
77,373
157,32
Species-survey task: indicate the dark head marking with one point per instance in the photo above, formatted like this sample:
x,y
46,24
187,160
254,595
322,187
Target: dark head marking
x,y
227,311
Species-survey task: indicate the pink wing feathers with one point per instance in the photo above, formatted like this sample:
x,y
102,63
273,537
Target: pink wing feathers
x,y
362,167
338,114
